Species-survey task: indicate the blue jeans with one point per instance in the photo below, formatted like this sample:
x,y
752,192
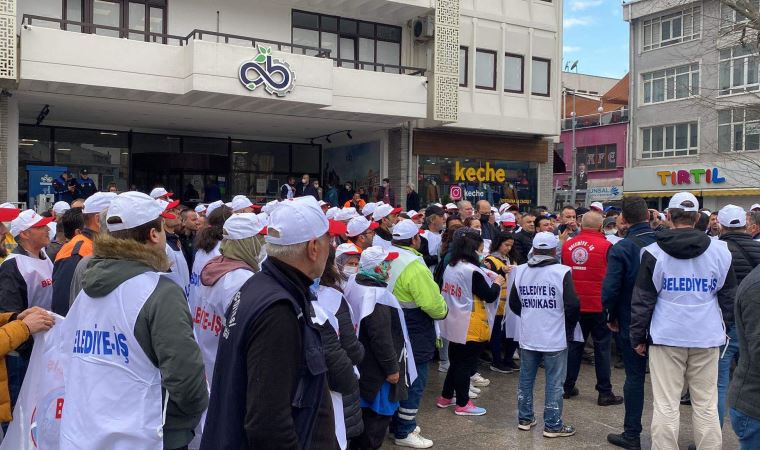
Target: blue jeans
x,y
747,429
405,419
633,389
724,369
555,365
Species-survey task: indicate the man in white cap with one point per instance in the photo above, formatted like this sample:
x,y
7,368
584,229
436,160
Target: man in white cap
x,y
369,209
58,237
132,341
597,206
273,391
435,222
684,293
385,215
745,256
412,284
241,204
544,297
26,280
160,193
80,246
360,232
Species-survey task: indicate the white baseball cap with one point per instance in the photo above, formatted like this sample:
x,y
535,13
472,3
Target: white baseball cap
x,y
494,210
508,219
242,226
214,205
160,192
61,207
406,229
414,214
438,205
359,225
8,212
201,208
347,249
545,240
732,216
296,221
168,205
269,207
98,202
240,202
754,207
134,209
369,209
684,200
504,207
384,211
330,213
374,256
451,206
346,214
323,203
597,206
28,219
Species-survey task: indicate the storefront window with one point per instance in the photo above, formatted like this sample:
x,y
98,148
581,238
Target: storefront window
x,y
34,144
498,182
105,154
206,146
356,164
305,159
155,143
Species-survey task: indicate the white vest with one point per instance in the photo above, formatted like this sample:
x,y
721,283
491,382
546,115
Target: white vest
x,y
38,275
201,259
377,241
687,313
434,242
113,390
362,300
180,274
542,316
457,291
209,314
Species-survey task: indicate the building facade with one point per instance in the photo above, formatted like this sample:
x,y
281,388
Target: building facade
x,y
695,122
215,99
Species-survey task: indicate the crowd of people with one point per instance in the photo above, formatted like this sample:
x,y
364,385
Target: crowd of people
x,y
298,324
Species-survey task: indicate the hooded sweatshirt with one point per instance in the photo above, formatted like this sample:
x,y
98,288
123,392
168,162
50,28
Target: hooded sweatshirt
x,y
680,244
163,328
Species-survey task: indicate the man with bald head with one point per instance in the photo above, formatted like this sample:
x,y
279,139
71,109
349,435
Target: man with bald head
x,y
586,254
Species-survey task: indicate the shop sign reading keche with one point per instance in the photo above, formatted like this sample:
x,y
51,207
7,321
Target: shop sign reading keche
x,y
275,74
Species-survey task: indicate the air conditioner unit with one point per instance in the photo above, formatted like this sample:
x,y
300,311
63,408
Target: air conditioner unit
x,y
424,28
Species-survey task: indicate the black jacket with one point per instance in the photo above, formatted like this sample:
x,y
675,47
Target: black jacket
x,y
523,244
622,268
413,201
680,243
383,339
744,390
745,253
187,242
430,260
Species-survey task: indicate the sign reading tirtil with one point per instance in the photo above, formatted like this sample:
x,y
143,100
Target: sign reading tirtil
x,y
692,176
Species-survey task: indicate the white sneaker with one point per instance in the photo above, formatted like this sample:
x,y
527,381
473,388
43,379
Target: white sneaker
x,y
474,389
474,394
479,381
414,440
443,366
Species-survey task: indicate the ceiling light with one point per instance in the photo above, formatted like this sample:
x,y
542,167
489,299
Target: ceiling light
x,y
240,153
108,133
30,140
25,144
64,149
237,142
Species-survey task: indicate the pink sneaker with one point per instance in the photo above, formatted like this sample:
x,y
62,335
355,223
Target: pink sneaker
x,y
445,402
469,410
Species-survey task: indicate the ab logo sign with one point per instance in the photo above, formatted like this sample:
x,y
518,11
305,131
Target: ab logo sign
x,y
276,76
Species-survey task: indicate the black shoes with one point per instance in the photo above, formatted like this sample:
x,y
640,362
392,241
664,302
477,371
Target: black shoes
x,y
622,441
571,393
609,399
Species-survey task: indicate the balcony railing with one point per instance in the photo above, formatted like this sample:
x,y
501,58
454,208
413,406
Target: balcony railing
x,y
203,35
596,120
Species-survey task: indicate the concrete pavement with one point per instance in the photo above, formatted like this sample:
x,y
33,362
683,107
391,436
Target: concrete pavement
x,y
498,428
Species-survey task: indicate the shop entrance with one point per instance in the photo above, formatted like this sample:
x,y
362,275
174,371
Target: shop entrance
x,y
194,178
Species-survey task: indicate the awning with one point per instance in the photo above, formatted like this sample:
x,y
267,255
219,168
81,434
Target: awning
x,y
698,193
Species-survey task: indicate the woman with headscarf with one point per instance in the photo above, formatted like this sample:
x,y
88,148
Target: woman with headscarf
x,y
342,351
347,261
500,261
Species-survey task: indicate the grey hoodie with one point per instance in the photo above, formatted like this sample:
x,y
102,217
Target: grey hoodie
x,y
164,330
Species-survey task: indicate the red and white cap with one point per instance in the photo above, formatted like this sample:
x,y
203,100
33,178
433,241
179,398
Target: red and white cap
x,y
242,226
26,220
336,228
384,210
347,249
374,256
160,192
346,214
98,202
359,225
504,207
369,209
168,205
754,207
61,207
8,212
296,221
134,209
406,229
414,214
732,216
508,219
597,206
451,206
240,202
323,203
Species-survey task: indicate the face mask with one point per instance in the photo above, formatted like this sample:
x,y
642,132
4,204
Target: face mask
x,y
350,270
611,231
481,257
315,285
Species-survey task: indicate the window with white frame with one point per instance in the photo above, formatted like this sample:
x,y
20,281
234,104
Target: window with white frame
x,y
738,70
738,129
674,83
667,141
729,17
673,28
